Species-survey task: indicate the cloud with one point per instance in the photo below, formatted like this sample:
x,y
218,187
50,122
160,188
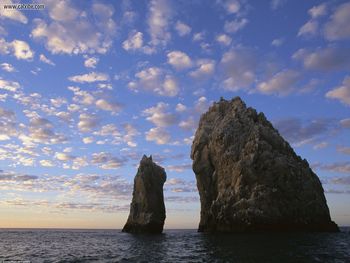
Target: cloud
x,y
205,69
180,107
64,156
81,97
238,69
231,6
223,39
341,180
7,67
341,93
158,115
134,41
11,176
46,60
310,28
155,80
182,29
158,135
338,28
18,48
70,30
275,4
179,60
87,122
12,14
235,25
89,78
91,62
327,59
298,132
107,161
88,140
158,22
281,83
339,167
317,11
343,149
345,123
189,124
108,106
320,145
277,42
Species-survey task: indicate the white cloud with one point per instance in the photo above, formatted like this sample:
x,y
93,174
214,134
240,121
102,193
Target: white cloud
x,y
64,156
235,25
180,107
320,145
158,115
326,59
275,4
90,77
201,105
231,6
71,31
282,83
19,48
46,163
341,93
107,161
182,29
87,122
108,106
87,140
81,97
9,85
224,39
238,67
46,60
91,62
309,29
179,60
7,67
338,27
198,36
158,135
155,80
134,41
189,124
277,42
317,11
58,102
158,22
345,123
205,69
12,14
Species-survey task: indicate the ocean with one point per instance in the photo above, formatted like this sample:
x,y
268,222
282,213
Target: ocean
x,y
39,245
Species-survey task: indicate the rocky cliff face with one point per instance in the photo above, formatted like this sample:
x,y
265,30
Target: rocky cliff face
x,y
250,179
147,210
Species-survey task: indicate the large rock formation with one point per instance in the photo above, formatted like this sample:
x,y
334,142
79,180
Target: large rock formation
x,y
147,210
250,179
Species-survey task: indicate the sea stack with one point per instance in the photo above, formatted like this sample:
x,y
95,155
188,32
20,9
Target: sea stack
x,y
250,179
147,210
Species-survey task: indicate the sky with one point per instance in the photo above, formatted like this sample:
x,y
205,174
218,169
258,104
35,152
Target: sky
x,y
88,87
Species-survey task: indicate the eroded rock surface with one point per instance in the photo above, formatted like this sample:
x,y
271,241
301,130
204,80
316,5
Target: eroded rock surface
x,y
147,210
250,179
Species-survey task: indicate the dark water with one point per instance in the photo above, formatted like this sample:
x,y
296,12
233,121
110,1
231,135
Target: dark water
x,y
172,246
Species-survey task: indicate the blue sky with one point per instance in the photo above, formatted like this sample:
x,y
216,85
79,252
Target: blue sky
x,y
88,87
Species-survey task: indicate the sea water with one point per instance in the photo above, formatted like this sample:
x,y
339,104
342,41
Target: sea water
x,y
39,245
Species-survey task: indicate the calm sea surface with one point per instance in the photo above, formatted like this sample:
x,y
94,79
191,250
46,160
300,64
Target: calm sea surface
x,y
172,246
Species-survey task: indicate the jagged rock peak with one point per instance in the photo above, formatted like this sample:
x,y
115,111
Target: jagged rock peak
x,y
147,209
250,179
